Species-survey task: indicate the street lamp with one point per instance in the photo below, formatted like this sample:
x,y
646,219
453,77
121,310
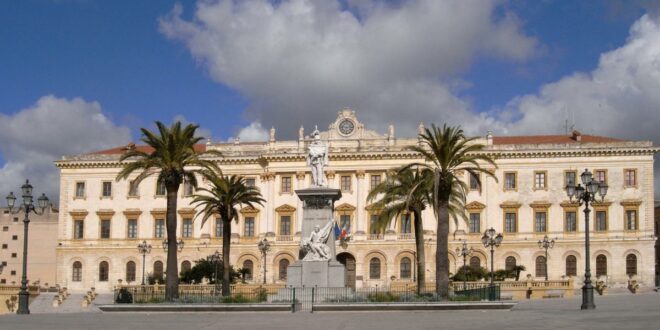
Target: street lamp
x,y
587,194
491,240
464,252
215,260
27,207
144,249
546,244
179,245
264,247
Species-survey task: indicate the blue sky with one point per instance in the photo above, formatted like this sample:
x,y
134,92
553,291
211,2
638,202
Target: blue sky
x,y
80,75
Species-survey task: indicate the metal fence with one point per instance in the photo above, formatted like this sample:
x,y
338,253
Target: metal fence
x,y
301,299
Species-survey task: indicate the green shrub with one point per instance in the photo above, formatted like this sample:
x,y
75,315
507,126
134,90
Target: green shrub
x,y
383,297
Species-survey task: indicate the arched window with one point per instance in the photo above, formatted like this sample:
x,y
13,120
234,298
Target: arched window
x,y
283,266
103,271
158,271
541,269
374,268
405,268
185,266
510,263
571,266
475,262
130,271
76,276
631,264
249,265
601,265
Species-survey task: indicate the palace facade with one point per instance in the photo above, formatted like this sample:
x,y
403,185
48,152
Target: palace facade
x,y
101,221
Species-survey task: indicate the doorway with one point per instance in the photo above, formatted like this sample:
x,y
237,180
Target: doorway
x,y
348,261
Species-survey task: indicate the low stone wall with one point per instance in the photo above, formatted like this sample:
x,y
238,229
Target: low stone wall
x,y
515,290
9,297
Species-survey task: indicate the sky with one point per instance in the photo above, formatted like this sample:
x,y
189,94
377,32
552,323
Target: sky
x,y
84,75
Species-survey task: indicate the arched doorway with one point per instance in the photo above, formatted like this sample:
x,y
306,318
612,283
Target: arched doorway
x,y
348,260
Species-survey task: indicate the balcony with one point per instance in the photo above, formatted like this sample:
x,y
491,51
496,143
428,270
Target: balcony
x,y
374,237
407,236
284,238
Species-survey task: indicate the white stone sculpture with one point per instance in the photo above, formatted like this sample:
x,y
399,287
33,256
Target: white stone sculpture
x,y
316,246
317,158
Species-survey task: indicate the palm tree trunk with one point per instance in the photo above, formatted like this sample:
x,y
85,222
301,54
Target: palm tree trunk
x,y
226,266
442,250
419,246
172,283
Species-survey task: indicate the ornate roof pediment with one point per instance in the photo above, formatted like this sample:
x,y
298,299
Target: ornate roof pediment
x,y
286,208
248,210
510,205
345,207
474,205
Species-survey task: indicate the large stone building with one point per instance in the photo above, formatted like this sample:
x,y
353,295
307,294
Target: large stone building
x,y
102,220
41,248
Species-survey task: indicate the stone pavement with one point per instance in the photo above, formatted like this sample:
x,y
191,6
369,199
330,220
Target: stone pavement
x,y
625,311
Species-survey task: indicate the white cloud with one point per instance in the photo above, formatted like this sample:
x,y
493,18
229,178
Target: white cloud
x,y
253,132
619,98
36,136
300,61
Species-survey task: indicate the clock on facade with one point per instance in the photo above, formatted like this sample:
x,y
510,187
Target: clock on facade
x,y
346,127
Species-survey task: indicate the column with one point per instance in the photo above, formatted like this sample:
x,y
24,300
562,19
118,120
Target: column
x,y
361,200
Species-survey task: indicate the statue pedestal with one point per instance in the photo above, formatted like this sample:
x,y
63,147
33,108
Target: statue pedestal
x,y
318,209
325,274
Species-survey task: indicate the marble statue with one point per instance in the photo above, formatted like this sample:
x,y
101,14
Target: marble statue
x,y
315,246
317,158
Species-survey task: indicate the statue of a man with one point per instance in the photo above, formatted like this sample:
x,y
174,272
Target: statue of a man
x,y
316,245
317,158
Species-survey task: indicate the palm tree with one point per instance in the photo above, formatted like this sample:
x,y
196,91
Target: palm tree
x,y
225,193
406,191
171,156
448,154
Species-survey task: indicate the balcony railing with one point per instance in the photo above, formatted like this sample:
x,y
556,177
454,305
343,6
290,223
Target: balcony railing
x,y
284,238
374,237
406,236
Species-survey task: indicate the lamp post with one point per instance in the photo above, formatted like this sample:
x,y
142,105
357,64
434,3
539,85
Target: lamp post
x,y
584,195
464,252
215,260
264,247
144,249
491,240
179,245
27,207
546,244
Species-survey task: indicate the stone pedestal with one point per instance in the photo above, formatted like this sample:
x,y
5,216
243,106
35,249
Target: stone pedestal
x,y
318,209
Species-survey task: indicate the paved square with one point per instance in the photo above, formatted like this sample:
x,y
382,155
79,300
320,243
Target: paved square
x,y
624,311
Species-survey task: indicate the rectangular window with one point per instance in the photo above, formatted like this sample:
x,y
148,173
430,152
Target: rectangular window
x,y
540,222
14,255
188,189
631,220
630,178
510,181
600,175
510,225
105,228
569,178
345,222
80,190
78,229
250,182
187,229
131,228
107,189
248,231
539,180
285,185
474,182
375,180
475,223
373,224
14,237
5,228
13,272
159,228
285,225
161,190
601,220
406,224
571,221
345,183
4,246
218,227
133,189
